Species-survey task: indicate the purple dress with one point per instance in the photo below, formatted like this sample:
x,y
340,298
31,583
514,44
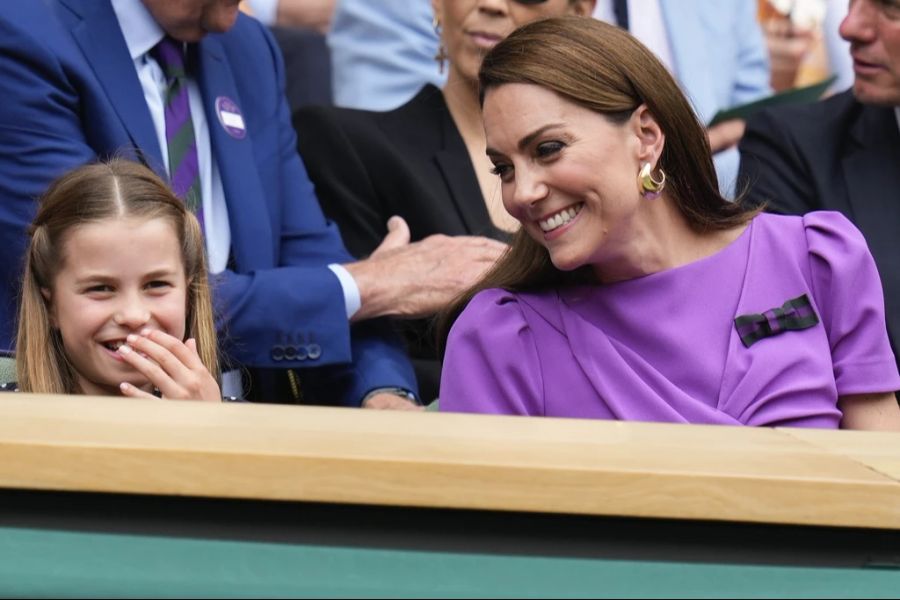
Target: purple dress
x,y
770,330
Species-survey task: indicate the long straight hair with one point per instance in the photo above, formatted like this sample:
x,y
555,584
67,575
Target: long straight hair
x,y
90,194
604,69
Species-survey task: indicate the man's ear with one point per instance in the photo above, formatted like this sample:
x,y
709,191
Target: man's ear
x,y
51,310
651,139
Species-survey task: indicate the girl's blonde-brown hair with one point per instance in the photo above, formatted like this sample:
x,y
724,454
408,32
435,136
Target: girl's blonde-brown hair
x,y
108,190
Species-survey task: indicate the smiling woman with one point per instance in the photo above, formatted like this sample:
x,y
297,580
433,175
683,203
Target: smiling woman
x,y
633,290
115,297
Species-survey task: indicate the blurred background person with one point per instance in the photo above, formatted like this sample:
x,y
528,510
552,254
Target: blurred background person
x,y
382,54
804,44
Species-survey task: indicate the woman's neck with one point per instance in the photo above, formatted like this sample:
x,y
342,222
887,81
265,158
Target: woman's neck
x,y
462,99
660,239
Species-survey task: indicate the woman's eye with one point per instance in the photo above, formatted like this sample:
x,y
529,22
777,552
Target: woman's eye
x,y
158,284
501,170
548,149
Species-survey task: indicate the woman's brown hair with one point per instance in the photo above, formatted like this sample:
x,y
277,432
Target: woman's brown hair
x,y
604,69
109,190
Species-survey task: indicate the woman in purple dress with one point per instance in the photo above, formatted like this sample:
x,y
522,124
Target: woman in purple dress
x,y
633,290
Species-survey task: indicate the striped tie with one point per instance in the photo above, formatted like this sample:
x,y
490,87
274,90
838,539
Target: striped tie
x,y
184,169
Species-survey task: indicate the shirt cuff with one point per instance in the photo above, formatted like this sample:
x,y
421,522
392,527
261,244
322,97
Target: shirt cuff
x,y
403,393
264,10
352,300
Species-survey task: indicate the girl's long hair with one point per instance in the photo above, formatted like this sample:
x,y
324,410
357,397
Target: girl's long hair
x,y
109,190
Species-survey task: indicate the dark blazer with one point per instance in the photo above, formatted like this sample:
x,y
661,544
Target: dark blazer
x,y
837,154
71,94
307,66
411,161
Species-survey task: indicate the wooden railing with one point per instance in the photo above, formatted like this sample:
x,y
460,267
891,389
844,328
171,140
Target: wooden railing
x,y
786,476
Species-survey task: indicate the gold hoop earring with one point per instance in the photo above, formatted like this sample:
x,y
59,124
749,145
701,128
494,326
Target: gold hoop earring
x,y
441,56
650,188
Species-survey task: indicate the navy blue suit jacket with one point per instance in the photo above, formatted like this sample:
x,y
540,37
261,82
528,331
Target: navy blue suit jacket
x,y
70,94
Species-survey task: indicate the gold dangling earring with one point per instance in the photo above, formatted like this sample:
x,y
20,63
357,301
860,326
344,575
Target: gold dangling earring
x,y
441,56
649,187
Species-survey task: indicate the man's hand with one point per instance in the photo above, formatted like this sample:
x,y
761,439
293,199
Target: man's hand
x,y
788,48
419,279
726,134
388,401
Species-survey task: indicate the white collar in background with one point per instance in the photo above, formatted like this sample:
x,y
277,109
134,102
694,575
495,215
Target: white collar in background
x,y
140,29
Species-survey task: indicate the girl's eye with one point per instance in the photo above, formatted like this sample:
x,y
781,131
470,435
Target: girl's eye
x,y
98,289
548,149
158,284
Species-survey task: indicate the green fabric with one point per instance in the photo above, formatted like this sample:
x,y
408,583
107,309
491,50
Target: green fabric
x,y
49,563
7,369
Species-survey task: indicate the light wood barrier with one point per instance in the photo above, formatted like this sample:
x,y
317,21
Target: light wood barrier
x,y
779,476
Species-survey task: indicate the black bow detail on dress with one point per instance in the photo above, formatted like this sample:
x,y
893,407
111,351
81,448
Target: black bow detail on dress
x,y
792,315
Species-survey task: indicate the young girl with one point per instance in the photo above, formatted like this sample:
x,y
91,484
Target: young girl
x,y
115,299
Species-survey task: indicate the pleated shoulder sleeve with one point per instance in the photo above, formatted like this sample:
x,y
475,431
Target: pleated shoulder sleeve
x,y
491,363
848,290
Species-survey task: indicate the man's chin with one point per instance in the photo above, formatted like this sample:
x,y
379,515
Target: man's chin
x,y
220,22
867,93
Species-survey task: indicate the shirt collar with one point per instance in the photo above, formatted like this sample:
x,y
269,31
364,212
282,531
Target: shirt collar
x,y
140,29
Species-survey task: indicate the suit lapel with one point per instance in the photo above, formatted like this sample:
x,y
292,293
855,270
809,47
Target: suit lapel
x,y
97,30
452,159
871,171
244,195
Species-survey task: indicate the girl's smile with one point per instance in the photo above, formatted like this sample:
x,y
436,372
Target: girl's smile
x,y
119,276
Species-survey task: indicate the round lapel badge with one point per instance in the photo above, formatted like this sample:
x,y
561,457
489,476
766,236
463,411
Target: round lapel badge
x,y
230,117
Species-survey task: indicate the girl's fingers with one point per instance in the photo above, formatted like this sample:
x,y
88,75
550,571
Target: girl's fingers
x,y
158,376
171,365
134,392
174,347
